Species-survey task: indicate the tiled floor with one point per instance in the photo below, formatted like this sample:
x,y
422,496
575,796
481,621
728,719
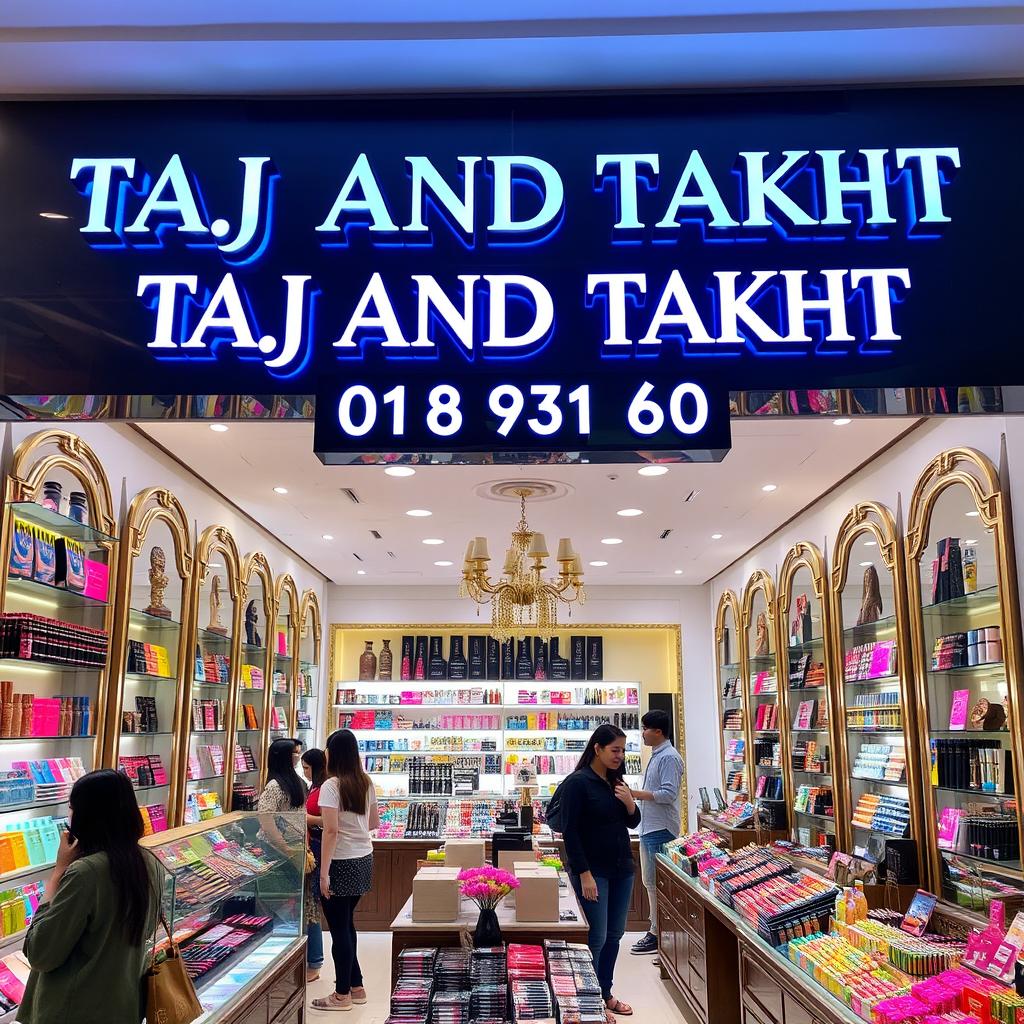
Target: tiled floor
x,y
637,981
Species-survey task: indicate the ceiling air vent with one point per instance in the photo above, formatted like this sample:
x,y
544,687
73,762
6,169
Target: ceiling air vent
x,y
375,534
691,496
664,535
358,558
351,495
391,554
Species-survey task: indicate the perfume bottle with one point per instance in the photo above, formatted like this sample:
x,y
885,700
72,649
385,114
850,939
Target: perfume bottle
x,y
384,663
367,663
457,665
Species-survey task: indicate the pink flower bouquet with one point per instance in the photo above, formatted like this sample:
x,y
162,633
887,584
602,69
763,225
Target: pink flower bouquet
x,y
486,887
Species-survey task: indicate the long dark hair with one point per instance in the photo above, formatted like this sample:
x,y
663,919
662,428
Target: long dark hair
x,y
317,761
601,737
105,818
281,769
345,765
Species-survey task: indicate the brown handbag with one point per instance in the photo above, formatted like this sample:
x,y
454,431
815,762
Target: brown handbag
x,y
170,995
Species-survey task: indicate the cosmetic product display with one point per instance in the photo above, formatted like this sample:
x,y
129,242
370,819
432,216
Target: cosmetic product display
x,y
201,806
982,646
208,715
732,688
38,638
875,712
866,662
766,718
148,659
948,571
883,762
143,719
25,714
975,765
145,771
881,813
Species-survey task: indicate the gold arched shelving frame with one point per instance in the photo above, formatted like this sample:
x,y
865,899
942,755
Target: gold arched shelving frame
x,y
760,581
873,520
35,460
255,564
149,507
807,556
215,542
728,606
972,470
311,630
284,587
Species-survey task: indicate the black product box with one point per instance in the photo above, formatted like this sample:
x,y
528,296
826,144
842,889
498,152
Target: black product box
x,y
524,660
477,657
493,659
405,667
437,667
558,668
595,657
901,861
578,657
508,659
419,665
458,668
540,658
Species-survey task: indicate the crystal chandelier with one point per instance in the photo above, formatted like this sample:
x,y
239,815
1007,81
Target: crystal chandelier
x,y
522,599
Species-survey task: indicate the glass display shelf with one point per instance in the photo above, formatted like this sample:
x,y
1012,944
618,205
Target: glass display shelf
x,y
984,601
56,597
879,832
824,729
153,623
877,681
1010,868
813,775
975,792
217,642
32,805
48,739
28,869
805,645
808,689
990,668
208,778
970,733
148,677
868,631
218,732
253,651
72,529
200,683
146,735
816,817
45,665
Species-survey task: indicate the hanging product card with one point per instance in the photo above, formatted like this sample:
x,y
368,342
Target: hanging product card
x,y
437,667
477,657
493,659
578,657
595,657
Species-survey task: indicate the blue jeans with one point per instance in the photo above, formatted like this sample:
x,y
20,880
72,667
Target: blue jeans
x,y
314,946
607,919
650,845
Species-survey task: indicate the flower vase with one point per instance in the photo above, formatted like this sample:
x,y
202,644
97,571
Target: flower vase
x,y
488,931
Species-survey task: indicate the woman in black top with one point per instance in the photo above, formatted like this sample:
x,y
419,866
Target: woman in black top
x,y
597,810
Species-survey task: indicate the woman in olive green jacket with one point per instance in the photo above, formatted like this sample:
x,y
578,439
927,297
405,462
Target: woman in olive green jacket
x,y
87,942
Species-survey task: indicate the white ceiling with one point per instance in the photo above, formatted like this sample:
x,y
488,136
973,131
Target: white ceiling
x,y
306,46
804,458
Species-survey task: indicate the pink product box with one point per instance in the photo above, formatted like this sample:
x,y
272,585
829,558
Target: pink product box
x,y
411,697
530,697
97,580
45,716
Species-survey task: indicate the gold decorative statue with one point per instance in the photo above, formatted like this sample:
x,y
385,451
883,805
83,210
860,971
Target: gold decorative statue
x,y
158,584
216,626
761,643
871,601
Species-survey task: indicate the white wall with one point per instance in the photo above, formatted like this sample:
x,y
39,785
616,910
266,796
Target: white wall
x,y
888,479
133,463
688,606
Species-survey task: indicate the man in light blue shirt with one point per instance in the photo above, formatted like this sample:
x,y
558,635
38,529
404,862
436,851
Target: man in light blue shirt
x,y
659,811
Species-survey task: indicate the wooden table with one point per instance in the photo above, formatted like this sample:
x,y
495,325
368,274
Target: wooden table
x,y
406,932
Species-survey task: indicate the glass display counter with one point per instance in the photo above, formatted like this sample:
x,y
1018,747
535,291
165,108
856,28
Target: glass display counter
x,y
233,899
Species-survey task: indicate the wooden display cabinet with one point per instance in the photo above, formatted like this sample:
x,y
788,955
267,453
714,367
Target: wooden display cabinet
x,y
152,656
872,689
805,638
216,611
965,627
767,709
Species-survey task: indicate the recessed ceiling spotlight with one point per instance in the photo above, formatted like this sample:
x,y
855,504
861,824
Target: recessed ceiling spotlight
x,y
54,216
652,470
716,536
611,540
219,428
972,515
280,490
871,543
328,536
360,572
215,565
679,572
433,540
400,471
628,513
444,564
971,540
768,488
419,513
864,565
598,564
842,421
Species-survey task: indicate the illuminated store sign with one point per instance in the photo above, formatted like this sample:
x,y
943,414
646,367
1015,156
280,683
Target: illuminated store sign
x,y
544,273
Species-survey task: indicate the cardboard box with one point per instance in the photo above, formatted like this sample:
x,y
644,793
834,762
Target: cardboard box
x,y
464,853
537,895
508,859
435,894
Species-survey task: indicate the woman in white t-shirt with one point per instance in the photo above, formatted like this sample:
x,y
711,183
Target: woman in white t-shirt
x,y
348,805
